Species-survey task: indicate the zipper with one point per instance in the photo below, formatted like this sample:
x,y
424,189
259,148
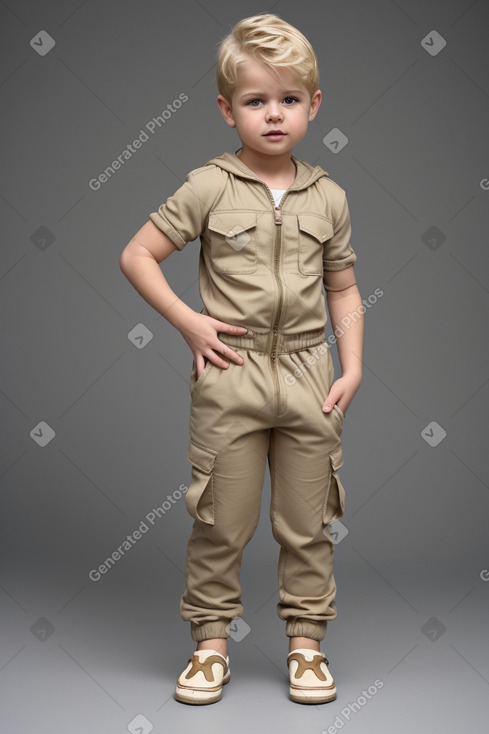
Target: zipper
x,y
276,261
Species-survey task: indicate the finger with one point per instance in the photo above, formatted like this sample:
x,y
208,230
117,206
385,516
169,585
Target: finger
x,y
230,353
328,404
215,358
231,328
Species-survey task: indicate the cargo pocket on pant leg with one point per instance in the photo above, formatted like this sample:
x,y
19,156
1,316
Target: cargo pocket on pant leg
x,y
199,498
334,502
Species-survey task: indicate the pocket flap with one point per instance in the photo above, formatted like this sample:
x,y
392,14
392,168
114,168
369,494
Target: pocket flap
x,y
230,224
319,227
201,457
336,456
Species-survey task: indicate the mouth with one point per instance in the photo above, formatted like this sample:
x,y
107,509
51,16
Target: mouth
x,y
276,134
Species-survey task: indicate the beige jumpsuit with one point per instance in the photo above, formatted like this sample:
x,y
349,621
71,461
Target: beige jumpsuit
x,y
262,267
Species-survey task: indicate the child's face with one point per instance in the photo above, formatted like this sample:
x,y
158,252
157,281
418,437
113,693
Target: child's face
x,y
268,100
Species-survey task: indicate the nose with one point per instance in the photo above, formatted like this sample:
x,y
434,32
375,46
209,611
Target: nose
x,y
274,111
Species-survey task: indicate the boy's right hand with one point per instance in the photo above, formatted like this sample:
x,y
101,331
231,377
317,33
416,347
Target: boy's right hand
x,y
200,333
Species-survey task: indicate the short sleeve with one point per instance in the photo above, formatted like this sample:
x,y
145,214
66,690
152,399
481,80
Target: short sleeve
x,y
338,253
182,216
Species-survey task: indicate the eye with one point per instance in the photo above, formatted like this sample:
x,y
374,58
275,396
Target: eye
x,y
252,101
289,100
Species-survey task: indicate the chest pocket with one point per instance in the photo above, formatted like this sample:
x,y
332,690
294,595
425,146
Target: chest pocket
x,y
233,242
314,230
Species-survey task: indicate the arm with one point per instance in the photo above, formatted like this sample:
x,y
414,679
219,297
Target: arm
x,y
139,262
346,315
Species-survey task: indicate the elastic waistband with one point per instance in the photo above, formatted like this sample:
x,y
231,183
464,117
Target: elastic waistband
x,y
285,342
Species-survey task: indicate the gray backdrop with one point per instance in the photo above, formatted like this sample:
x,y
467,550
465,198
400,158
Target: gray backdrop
x,y
95,412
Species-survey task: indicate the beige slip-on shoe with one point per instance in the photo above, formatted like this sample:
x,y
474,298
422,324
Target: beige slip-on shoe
x,y
202,680
310,679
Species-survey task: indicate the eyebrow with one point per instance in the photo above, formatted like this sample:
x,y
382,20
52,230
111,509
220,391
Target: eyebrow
x,y
259,94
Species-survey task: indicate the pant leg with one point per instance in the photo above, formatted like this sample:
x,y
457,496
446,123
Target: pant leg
x,y
212,597
228,449
305,452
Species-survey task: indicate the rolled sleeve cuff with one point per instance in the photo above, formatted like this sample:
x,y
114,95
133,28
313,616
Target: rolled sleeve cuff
x,y
345,262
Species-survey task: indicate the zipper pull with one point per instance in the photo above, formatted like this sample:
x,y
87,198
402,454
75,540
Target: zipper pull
x,y
278,215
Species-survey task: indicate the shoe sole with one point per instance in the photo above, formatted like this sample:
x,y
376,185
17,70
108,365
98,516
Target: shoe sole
x,y
200,696
305,695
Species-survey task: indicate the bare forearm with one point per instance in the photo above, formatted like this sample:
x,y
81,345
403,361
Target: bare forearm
x,y
144,273
346,314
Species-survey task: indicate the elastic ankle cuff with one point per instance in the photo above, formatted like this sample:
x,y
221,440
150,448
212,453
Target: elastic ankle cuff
x,y
306,628
209,630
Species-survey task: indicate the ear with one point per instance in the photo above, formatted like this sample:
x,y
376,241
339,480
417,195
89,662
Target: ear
x,y
315,104
226,110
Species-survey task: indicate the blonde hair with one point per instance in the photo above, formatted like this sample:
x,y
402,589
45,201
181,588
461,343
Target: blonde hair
x,y
270,40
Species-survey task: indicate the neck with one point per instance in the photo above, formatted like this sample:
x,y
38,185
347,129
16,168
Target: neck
x,y
270,167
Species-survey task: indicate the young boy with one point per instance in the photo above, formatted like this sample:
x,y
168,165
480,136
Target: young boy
x,y
273,230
